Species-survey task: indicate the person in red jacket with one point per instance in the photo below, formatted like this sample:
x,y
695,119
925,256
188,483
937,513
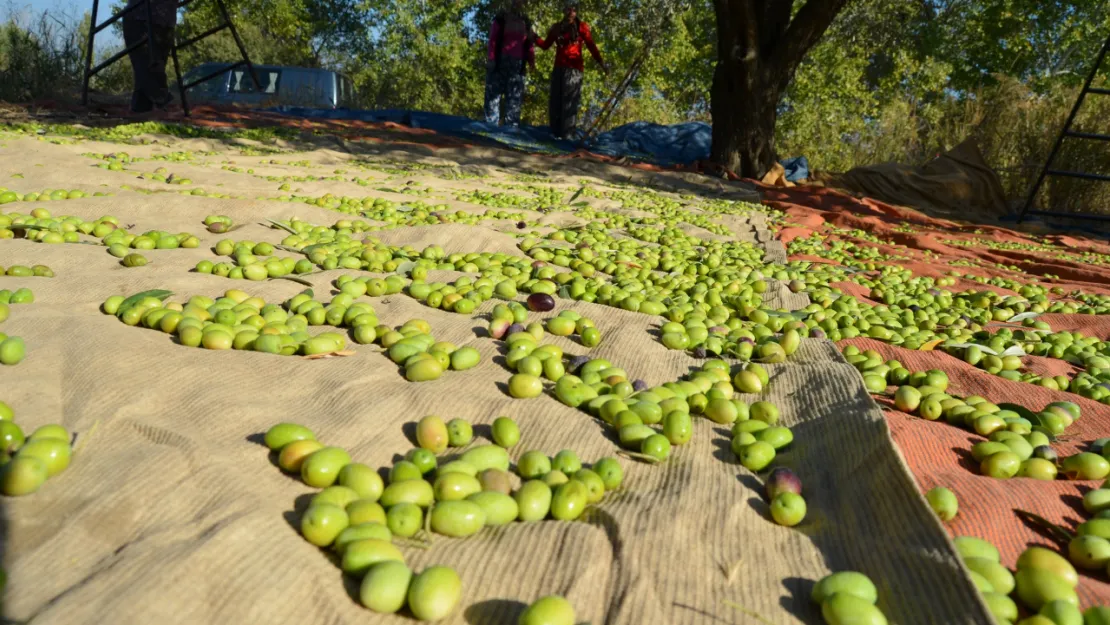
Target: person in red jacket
x,y
568,36
511,47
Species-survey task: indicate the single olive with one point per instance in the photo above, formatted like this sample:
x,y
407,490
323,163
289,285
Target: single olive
x,y
434,593
321,468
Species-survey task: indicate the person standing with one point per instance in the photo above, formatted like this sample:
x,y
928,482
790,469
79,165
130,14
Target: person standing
x,y
148,62
568,36
511,45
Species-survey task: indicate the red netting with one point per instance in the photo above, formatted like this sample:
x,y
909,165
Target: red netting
x,y
938,453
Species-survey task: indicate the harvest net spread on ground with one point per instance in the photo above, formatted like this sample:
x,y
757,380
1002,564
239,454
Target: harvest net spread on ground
x,y
172,510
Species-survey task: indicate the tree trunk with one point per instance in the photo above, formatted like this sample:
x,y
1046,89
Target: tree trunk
x,y
759,47
744,113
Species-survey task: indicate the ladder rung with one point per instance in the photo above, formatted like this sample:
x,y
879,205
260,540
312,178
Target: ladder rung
x,y
117,56
190,85
1098,90
1087,135
1077,174
191,40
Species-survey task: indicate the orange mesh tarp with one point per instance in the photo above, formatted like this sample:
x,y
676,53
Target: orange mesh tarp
x,y
938,453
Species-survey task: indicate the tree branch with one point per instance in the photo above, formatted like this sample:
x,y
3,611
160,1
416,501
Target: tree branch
x,y
804,32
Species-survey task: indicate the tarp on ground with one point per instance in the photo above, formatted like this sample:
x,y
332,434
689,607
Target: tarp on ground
x,y
668,145
172,513
958,182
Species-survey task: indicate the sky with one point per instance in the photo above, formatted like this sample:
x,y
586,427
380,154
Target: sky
x,y
64,9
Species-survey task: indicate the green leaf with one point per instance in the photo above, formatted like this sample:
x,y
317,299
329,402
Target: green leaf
x,y
278,224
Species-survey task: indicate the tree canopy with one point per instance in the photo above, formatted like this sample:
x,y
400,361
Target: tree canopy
x,y
884,75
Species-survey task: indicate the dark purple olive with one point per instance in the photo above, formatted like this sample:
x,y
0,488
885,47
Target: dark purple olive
x,y
540,302
521,225
782,480
915,307
576,363
699,352
516,327
639,385
817,334
1044,452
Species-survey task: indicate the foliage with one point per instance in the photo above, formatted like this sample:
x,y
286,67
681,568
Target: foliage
x,y
41,57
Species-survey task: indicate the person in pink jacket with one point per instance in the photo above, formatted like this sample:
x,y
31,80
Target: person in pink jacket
x,y
512,45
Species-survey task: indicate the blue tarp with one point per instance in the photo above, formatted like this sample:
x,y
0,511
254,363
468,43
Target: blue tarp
x,y
679,144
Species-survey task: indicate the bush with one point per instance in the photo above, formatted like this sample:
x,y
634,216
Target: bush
x,y
42,57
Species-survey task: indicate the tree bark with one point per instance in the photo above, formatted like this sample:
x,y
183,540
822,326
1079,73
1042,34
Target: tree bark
x,y
758,50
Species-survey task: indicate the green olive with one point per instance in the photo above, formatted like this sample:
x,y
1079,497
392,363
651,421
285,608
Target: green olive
x,y
22,476
757,456
846,609
549,610
656,446
363,511
323,523
360,555
12,351
610,472
499,508
1036,587
423,370
505,432
524,386
457,518
1000,579
459,432
405,519
292,456
46,431
533,500
464,358
54,453
434,593
487,457
765,411
282,434
533,464
455,486
943,502
385,587
361,531
1001,465
416,491
569,500
845,582
424,459
337,495
321,468
677,427
595,487
363,480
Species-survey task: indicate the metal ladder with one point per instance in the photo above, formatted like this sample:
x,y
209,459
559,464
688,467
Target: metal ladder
x,y
1068,133
91,71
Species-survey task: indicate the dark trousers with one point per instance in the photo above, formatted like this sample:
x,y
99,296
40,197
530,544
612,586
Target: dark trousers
x,y
566,94
148,64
